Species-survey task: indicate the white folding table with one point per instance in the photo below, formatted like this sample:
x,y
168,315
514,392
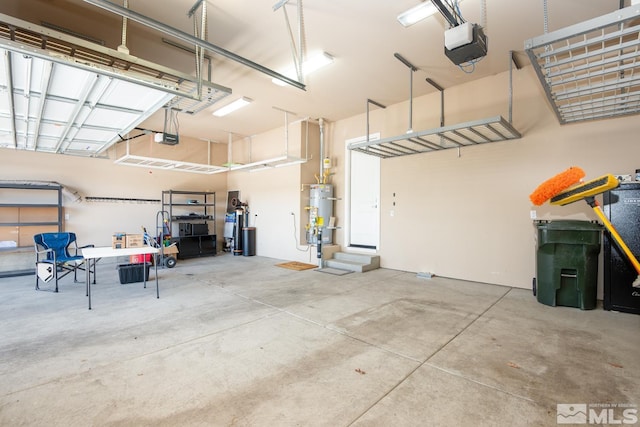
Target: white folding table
x,y
107,251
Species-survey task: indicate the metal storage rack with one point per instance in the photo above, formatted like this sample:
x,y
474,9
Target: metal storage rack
x,y
25,210
24,213
490,129
188,209
589,70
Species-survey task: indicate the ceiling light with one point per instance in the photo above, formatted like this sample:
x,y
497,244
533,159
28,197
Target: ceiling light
x,y
235,105
417,13
312,64
261,168
293,162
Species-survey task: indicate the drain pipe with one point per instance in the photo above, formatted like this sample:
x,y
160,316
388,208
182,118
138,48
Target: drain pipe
x,y
321,125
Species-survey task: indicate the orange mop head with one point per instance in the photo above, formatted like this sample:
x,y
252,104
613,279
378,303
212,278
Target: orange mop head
x,y
555,185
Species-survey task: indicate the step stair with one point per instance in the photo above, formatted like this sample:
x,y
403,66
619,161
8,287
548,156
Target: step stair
x,y
355,262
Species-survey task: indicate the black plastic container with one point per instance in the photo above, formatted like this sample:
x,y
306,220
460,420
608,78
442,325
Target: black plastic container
x,y
132,273
249,241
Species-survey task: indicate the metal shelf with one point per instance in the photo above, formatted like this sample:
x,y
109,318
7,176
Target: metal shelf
x,y
26,224
477,132
590,70
28,205
166,164
191,245
191,217
24,237
483,131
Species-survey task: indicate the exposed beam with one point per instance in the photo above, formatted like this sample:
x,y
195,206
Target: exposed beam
x,y
9,72
44,89
186,37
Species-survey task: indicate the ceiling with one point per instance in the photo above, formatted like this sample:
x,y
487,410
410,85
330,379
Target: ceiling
x,y
362,36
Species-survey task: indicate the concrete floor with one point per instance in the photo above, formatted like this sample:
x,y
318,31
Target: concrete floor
x,y
236,341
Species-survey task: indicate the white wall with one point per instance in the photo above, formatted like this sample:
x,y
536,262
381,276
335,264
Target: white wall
x,y
464,216
272,194
95,222
468,216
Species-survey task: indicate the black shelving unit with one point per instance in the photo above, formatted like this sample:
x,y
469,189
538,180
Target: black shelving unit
x,y
622,208
192,216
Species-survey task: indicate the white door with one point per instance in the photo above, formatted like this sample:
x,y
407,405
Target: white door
x,y
364,200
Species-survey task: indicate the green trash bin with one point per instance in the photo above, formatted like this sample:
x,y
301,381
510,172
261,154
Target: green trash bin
x,y
567,263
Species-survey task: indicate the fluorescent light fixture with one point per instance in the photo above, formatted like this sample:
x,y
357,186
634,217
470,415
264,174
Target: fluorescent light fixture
x,y
294,162
235,105
417,13
261,168
316,62
312,64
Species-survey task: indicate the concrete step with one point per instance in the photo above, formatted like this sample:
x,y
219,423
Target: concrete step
x,y
360,258
353,262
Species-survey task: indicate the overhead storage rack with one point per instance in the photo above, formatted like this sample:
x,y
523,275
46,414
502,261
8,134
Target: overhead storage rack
x,y
483,131
590,70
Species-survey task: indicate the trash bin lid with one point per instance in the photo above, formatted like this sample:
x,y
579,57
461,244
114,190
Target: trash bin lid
x,y
570,224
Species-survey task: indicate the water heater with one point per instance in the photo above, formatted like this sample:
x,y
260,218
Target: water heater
x,y
320,212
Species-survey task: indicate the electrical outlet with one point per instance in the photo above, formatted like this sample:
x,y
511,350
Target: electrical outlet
x,y
533,214
66,217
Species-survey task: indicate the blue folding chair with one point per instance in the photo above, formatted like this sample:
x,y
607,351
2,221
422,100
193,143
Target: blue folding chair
x,y
56,256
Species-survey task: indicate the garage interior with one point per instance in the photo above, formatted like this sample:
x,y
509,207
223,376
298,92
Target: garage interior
x,y
429,136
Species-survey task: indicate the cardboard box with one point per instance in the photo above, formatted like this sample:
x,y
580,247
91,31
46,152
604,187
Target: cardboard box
x,y
170,250
118,241
134,240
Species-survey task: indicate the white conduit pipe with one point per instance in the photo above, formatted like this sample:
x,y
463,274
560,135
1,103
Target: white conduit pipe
x,y
321,124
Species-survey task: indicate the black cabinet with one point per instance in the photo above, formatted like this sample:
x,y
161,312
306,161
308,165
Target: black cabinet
x,y
195,246
622,208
